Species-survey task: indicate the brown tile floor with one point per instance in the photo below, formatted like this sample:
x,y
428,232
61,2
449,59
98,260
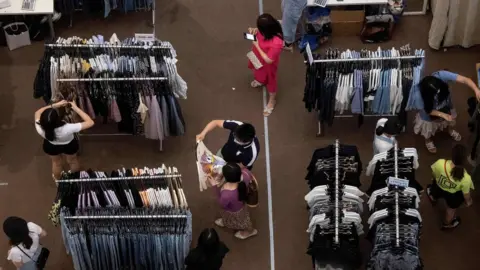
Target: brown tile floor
x,y
208,38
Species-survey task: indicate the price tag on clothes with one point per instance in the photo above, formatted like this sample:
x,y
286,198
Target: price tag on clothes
x,y
148,38
309,54
393,181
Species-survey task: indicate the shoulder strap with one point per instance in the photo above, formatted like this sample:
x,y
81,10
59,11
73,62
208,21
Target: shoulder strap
x,y
25,253
446,172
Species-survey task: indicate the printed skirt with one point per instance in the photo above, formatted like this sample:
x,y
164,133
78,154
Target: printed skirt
x,y
238,221
428,128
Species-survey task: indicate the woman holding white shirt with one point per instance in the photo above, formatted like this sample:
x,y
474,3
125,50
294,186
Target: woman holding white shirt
x,y
59,136
24,239
385,133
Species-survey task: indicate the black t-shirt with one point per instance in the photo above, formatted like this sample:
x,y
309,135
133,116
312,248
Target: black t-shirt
x,y
197,260
233,152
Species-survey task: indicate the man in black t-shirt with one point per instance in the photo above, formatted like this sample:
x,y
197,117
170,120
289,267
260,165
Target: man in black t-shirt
x,y
242,146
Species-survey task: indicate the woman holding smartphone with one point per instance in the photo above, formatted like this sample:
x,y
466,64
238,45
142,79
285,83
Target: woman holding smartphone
x,y
267,48
59,137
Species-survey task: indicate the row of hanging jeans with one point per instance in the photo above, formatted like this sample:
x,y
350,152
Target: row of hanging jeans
x,y
390,252
135,218
382,166
68,7
326,252
126,239
384,86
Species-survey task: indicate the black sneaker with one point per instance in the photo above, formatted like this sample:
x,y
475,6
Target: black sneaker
x,y
455,222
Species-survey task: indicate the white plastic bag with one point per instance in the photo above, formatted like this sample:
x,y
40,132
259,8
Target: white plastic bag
x,y
208,165
20,38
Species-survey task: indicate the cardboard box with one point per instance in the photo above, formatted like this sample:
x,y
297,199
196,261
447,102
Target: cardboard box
x,y
347,22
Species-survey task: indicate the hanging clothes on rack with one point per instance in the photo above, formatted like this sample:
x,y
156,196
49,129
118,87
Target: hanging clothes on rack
x,y
335,208
395,223
365,83
136,218
382,167
131,84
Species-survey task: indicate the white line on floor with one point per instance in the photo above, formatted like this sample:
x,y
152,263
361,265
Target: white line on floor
x,y
269,184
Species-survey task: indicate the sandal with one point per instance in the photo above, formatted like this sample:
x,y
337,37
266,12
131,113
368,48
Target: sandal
x,y
256,84
268,111
455,135
431,147
240,236
219,223
455,222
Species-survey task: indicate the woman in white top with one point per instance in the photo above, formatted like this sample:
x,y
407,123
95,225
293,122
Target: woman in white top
x,y
385,133
59,136
24,241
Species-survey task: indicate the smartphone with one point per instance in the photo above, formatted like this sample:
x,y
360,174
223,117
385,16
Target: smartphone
x,y
248,36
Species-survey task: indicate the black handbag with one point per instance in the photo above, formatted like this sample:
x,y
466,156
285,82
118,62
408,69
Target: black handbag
x,y
42,257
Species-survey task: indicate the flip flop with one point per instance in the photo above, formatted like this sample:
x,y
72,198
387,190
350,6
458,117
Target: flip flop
x,y
431,147
256,84
240,236
219,223
455,135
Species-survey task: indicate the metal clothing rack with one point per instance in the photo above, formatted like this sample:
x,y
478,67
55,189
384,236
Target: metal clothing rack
x,y
340,60
60,45
112,79
397,214
128,217
127,178
146,47
337,193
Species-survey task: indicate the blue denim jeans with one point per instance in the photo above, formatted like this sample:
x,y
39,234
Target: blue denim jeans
x,y
292,11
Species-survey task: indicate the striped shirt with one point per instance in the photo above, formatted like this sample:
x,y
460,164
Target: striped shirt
x,y
233,152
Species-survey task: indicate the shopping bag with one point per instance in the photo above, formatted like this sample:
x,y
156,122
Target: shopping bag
x,y
208,165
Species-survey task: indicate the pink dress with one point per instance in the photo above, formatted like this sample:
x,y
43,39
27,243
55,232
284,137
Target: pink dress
x,y
267,75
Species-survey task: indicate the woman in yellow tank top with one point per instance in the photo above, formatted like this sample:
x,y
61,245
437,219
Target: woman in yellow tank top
x,y
452,183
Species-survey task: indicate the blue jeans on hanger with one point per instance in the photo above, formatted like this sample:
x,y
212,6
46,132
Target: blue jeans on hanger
x,y
292,11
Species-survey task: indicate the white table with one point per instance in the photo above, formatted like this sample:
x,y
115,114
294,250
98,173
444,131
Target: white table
x,y
42,7
311,3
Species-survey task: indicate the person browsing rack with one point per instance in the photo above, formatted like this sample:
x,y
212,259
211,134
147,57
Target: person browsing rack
x,y
438,112
59,136
267,48
452,183
242,146
385,133
209,252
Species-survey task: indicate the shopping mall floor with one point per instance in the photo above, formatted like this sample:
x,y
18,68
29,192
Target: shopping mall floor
x,y
211,52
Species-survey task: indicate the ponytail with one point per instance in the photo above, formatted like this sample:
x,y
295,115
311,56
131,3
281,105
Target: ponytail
x,y
457,172
49,133
242,191
379,131
27,241
50,120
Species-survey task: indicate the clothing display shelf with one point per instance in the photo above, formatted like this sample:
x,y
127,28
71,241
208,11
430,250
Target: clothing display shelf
x,y
119,178
175,82
397,217
337,214
127,217
376,60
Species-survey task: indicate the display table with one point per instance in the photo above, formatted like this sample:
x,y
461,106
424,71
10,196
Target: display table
x,y
311,3
42,7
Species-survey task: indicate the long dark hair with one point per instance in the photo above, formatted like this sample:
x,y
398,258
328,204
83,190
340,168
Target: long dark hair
x,y
431,87
459,156
17,231
49,121
233,174
208,248
269,27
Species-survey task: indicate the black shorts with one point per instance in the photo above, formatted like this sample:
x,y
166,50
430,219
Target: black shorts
x,y
54,149
453,200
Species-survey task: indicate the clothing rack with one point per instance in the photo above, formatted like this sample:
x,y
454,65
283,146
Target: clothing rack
x,y
162,72
127,217
112,79
109,46
119,178
397,210
356,57
337,193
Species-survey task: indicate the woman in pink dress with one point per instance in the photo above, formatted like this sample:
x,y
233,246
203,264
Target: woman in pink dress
x,y
267,48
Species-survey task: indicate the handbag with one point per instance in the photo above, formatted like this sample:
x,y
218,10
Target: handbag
x,y
17,35
42,257
252,189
